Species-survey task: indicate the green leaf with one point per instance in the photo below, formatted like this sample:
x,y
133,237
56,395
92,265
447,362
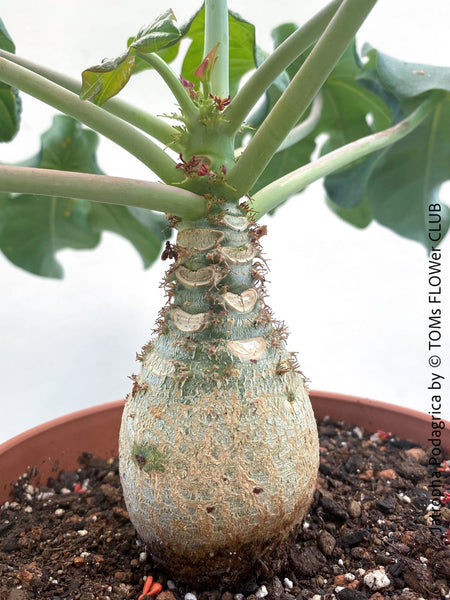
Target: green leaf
x,y
369,79
6,42
168,51
120,220
409,80
161,33
106,80
34,228
10,111
398,183
359,216
347,105
102,82
10,104
242,49
153,221
407,178
347,188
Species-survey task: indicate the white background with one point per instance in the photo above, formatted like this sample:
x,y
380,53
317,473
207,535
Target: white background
x,y
354,301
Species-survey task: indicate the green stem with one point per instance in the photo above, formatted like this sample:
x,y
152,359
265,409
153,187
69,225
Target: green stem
x,y
280,190
190,111
216,31
275,64
299,94
100,188
93,116
148,123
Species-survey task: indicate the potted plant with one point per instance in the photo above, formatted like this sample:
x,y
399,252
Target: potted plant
x,y
218,392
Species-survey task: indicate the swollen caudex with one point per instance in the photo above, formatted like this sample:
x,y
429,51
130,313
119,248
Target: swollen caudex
x,y
219,412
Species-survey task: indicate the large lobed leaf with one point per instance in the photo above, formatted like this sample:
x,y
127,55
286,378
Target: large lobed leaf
x,y
10,104
396,185
34,228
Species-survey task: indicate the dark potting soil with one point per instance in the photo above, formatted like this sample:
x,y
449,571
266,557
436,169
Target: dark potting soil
x,y
367,535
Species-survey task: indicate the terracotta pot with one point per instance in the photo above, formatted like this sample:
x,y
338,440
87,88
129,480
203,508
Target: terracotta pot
x,y
57,444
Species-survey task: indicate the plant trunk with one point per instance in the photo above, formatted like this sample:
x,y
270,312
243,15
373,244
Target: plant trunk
x,y
218,443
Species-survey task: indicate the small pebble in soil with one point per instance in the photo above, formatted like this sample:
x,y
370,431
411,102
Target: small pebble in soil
x,y
326,542
354,509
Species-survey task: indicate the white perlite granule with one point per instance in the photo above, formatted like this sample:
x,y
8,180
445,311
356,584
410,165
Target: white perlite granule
x,y
261,592
377,579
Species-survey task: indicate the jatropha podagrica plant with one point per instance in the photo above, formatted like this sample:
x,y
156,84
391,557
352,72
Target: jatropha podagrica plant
x,y
218,445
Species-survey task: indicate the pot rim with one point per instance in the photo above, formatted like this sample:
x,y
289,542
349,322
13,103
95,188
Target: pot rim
x,y
75,415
